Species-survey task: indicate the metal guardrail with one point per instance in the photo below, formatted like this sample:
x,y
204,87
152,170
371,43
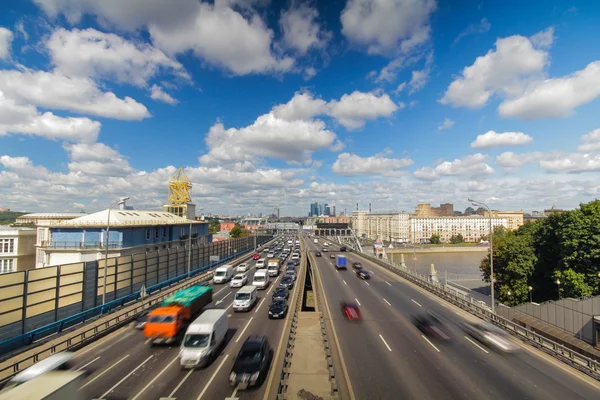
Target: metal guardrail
x,y
469,304
80,339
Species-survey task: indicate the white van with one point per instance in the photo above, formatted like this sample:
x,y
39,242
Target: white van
x,y
262,263
290,242
273,270
203,338
316,241
297,242
223,274
261,279
245,298
295,256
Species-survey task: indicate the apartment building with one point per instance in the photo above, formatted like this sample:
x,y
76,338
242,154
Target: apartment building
x,y
471,227
514,219
425,210
390,227
17,249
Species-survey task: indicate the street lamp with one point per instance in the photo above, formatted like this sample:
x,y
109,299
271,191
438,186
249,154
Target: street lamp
x,y
478,203
121,201
530,294
558,284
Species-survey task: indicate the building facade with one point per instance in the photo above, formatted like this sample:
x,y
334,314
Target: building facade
x,y
389,227
471,227
17,249
425,210
84,238
227,226
514,219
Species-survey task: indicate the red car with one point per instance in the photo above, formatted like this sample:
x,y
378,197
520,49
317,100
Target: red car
x,y
351,311
256,256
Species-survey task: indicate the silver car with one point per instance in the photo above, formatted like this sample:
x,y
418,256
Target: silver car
x,y
491,336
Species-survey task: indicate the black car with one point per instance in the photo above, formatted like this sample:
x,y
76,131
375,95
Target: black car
x,y
291,263
287,282
363,274
278,309
343,248
357,265
431,325
318,254
281,293
252,363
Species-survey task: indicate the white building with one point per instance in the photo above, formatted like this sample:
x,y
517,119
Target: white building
x,y
17,249
36,219
390,227
471,227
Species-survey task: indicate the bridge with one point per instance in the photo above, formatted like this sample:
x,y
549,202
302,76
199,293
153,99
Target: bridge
x,y
381,357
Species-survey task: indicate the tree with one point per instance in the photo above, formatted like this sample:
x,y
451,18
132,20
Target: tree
x,y
499,232
435,239
236,231
457,239
214,226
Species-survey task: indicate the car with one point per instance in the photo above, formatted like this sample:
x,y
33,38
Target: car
x,y
490,335
363,274
291,273
290,263
278,309
318,254
256,256
270,255
238,280
351,311
287,282
252,363
243,267
332,256
281,293
324,250
430,323
296,262
357,265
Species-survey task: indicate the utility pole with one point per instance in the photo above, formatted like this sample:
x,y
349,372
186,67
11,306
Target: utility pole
x,y
478,203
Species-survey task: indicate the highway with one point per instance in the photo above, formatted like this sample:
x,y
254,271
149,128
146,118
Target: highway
x,y
125,366
387,357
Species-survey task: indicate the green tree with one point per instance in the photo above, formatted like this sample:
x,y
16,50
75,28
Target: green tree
x,y
236,231
435,239
499,232
214,226
457,239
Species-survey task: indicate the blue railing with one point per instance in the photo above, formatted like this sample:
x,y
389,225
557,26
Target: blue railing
x,y
58,326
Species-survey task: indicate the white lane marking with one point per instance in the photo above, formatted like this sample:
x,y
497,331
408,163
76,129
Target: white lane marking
x,y
226,308
219,291
233,394
388,303
242,332
105,371
416,303
212,378
384,342
260,304
345,282
82,367
223,299
478,346
181,383
388,283
357,302
148,340
126,377
367,283
155,378
428,341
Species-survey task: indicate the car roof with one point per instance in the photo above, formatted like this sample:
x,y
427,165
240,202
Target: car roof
x,y
46,365
253,341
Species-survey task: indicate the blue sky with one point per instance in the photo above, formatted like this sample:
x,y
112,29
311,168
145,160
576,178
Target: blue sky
x,y
282,103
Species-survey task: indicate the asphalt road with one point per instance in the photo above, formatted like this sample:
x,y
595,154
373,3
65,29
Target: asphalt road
x,y
388,358
125,366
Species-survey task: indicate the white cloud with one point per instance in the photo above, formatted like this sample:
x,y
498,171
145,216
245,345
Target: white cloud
x,y
56,91
352,110
352,165
504,71
268,136
20,28
543,39
473,165
400,87
590,141
494,139
301,31
25,119
447,124
418,80
97,159
91,53
482,27
6,37
556,97
511,161
157,93
386,26
571,163
302,106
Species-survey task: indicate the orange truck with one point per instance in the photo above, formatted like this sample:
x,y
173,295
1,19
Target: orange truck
x,y
166,323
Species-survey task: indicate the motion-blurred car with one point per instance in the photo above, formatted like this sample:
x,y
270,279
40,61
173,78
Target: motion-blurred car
x,y
431,325
351,311
490,335
252,363
256,256
363,274
278,309
324,250
332,256
357,265
318,254
281,293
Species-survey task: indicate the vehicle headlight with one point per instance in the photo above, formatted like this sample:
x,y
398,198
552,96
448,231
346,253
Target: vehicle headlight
x,y
232,376
270,312
255,376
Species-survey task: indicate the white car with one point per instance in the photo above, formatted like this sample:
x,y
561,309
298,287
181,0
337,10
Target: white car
x,y
239,280
270,255
243,267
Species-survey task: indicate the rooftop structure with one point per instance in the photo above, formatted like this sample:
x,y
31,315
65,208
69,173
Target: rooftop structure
x,y
180,196
46,218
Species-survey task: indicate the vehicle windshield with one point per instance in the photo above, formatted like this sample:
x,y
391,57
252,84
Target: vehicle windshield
x,y
161,319
250,355
278,303
259,278
220,273
196,340
242,296
238,277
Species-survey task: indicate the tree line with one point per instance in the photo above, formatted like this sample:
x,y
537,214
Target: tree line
x,y
556,257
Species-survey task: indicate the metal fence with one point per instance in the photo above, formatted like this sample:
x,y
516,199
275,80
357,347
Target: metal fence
x,y
31,300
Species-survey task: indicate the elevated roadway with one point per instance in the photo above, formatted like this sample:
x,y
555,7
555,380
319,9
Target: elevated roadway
x,y
386,357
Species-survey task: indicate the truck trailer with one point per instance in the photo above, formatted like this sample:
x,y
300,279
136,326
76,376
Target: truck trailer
x,y
341,262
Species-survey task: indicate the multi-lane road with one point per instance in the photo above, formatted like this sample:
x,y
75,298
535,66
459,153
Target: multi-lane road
x,y
386,357
125,366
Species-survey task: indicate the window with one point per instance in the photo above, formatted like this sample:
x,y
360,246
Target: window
x,y
164,232
7,246
155,233
7,266
147,233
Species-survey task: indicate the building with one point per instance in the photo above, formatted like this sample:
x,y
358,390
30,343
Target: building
x,y
327,220
36,219
390,227
552,210
276,212
333,214
425,210
17,249
514,219
326,210
471,227
84,238
314,210
2,209
227,226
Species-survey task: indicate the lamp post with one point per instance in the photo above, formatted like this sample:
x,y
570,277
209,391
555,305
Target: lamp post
x,y
558,284
530,294
478,203
121,201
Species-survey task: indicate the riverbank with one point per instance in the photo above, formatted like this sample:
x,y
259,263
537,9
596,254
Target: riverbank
x,y
438,249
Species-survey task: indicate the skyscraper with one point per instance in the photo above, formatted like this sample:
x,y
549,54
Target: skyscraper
x,y
314,210
326,210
